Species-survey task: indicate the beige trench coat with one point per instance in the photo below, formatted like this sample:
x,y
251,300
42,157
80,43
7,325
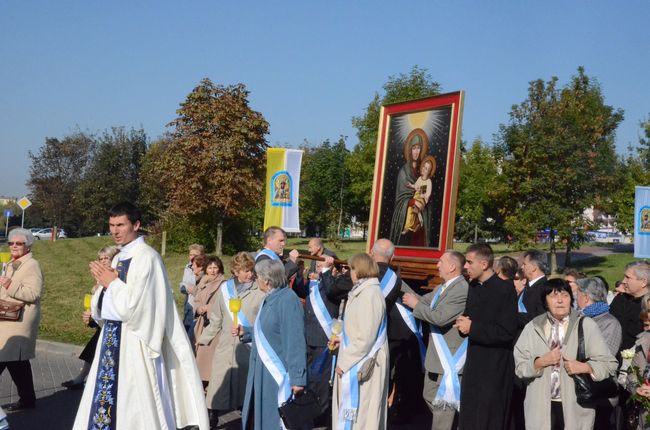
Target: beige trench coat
x,y
18,338
230,360
205,294
364,312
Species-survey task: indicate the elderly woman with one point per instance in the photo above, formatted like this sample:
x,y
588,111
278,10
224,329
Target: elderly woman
x,y
230,360
545,360
204,297
360,392
278,349
105,257
22,283
592,300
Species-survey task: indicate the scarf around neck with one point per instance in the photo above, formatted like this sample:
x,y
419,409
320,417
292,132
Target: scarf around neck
x,y
595,309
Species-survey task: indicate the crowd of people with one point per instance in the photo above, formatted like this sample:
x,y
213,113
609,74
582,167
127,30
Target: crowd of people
x,y
343,345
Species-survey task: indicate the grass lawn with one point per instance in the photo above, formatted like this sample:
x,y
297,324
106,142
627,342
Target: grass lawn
x,y
65,268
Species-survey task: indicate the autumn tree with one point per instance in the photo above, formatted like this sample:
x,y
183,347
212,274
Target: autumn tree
x,y
559,155
324,188
213,168
55,173
360,164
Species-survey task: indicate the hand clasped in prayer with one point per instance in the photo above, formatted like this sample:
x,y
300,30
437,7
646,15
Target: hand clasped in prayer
x,y
102,274
463,324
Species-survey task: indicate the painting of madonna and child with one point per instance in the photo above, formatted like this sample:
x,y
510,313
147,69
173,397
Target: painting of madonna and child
x,y
416,175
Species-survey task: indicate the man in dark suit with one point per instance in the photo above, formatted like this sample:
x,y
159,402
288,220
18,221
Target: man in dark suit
x,y
535,268
440,308
317,249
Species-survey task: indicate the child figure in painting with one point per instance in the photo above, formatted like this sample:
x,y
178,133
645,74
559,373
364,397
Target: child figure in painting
x,y
421,197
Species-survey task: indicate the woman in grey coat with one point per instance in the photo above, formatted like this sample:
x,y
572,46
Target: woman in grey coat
x,y
545,359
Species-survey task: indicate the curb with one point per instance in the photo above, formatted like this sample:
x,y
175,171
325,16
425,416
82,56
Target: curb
x,y
50,347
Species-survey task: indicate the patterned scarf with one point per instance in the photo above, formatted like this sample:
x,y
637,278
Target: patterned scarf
x,y
595,309
555,340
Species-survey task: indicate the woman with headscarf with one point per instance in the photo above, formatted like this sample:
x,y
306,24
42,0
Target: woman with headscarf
x,y
21,284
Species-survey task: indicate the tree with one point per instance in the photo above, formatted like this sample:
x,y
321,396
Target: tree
x,y
214,165
324,188
559,155
55,173
478,194
360,164
113,175
644,143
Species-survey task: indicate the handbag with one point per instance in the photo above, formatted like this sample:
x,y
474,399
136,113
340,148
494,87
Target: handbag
x,y
589,391
10,311
301,410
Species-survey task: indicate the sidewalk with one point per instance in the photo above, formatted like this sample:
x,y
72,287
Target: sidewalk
x,y
56,406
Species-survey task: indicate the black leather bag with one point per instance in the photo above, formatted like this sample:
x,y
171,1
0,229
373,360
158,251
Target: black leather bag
x,y
588,391
300,411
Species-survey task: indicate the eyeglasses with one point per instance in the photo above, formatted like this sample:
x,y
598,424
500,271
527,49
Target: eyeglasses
x,y
103,258
16,243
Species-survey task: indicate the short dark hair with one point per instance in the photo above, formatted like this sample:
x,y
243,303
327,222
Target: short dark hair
x,y
270,232
483,251
216,260
555,284
508,266
201,261
128,209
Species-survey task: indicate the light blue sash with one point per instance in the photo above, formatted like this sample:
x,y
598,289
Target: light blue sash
x,y
320,310
448,394
272,255
388,282
414,326
520,302
272,362
228,292
349,406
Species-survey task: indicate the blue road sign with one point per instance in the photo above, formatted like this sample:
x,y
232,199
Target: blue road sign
x,y
8,213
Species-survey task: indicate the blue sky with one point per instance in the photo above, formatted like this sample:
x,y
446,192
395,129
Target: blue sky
x,y
310,66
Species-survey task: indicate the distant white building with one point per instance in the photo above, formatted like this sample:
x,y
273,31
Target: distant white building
x,y
7,200
604,227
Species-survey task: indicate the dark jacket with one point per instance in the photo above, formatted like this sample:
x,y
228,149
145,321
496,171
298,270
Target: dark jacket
x,y
626,310
314,333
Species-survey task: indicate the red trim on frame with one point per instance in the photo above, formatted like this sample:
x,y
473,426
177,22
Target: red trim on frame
x,y
453,99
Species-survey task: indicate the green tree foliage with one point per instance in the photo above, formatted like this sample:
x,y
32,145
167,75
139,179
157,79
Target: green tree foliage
x,y
113,175
360,165
644,143
214,165
559,155
477,210
55,174
324,188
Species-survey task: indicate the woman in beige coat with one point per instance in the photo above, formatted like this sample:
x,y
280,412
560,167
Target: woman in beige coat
x,y
22,283
205,296
364,328
545,360
230,360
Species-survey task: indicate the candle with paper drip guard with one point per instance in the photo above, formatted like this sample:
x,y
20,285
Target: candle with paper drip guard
x,y
5,257
337,328
234,305
88,298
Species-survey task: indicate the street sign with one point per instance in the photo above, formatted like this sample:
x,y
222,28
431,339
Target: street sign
x,y
8,213
24,203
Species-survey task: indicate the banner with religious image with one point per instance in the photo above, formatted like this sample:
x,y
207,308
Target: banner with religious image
x,y
282,189
642,222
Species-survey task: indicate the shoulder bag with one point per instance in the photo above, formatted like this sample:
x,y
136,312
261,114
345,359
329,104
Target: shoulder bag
x,y
589,391
300,411
10,311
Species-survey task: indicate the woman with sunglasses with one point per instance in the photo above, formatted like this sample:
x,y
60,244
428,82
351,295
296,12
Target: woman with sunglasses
x,y
21,282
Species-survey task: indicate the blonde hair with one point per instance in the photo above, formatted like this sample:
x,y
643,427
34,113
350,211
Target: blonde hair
x,y
196,247
241,261
364,266
109,251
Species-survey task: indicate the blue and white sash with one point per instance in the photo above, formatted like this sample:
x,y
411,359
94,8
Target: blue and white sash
x,y
520,302
388,282
320,310
349,406
228,292
272,255
272,363
448,394
413,325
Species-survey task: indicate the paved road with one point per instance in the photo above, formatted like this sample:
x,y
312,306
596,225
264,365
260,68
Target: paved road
x,y
56,406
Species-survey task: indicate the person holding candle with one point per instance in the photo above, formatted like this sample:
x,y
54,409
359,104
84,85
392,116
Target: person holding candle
x,y
21,282
105,257
230,359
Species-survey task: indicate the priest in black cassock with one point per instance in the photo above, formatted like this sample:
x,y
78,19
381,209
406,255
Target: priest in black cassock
x,y
490,323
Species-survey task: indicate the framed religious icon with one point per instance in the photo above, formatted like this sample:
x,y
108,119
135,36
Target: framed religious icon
x,y
415,183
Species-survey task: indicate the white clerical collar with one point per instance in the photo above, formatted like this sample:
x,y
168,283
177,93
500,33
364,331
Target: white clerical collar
x,y
451,281
530,283
125,250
